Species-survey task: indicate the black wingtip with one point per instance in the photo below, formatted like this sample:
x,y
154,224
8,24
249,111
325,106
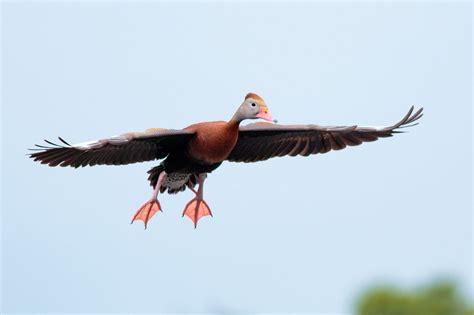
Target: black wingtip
x,y
63,141
53,144
409,119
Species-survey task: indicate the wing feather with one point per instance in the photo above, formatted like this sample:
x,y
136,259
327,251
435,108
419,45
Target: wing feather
x,y
118,150
262,141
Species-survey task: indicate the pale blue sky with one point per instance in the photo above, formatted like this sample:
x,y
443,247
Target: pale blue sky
x,y
288,235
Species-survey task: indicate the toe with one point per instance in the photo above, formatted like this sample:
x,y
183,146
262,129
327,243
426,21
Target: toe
x,y
147,211
196,209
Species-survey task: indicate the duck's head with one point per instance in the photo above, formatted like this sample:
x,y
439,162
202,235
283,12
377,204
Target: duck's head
x,y
253,107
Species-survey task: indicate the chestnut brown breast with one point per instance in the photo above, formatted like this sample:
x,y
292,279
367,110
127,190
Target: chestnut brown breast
x,y
213,141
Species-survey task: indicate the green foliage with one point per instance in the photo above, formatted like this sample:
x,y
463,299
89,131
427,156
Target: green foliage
x,y
440,298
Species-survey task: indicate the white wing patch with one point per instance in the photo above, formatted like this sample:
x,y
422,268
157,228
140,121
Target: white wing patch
x,y
374,127
86,145
95,144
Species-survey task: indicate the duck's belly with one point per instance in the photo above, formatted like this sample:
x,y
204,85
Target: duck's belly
x,y
176,180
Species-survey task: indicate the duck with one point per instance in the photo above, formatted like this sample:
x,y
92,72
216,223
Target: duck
x,y
188,155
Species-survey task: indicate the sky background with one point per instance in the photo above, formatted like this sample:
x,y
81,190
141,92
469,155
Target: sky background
x,y
288,235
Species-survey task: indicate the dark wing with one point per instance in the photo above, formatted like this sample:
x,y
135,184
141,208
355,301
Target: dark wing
x,y
127,148
262,141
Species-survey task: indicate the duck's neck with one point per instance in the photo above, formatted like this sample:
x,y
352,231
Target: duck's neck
x,y
236,119
234,123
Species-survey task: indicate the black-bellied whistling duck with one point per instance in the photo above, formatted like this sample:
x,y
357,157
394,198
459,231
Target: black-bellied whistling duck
x,y
189,154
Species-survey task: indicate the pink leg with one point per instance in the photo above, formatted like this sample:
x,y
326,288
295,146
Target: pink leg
x,y
197,207
152,206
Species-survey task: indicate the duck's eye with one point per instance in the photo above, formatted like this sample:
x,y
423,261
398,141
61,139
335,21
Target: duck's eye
x,y
253,104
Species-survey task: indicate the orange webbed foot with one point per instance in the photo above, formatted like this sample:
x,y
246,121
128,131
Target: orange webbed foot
x,y
196,209
147,211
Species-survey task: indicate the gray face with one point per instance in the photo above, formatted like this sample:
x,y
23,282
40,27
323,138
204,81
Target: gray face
x,y
249,109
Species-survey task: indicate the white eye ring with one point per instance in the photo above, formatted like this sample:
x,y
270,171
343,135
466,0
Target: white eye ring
x,y
253,104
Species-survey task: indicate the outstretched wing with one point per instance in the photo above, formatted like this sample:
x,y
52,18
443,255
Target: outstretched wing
x,y
127,148
262,141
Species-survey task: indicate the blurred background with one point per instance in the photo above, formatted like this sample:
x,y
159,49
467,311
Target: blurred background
x,y
383,228
437,298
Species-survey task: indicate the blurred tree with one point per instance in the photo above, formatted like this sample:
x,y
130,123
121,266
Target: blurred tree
x,y
439,298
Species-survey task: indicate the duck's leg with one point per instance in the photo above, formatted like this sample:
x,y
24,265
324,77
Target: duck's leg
x,y
197,207
152,206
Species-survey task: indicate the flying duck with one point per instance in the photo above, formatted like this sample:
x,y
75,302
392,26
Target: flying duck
x,y
191,153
